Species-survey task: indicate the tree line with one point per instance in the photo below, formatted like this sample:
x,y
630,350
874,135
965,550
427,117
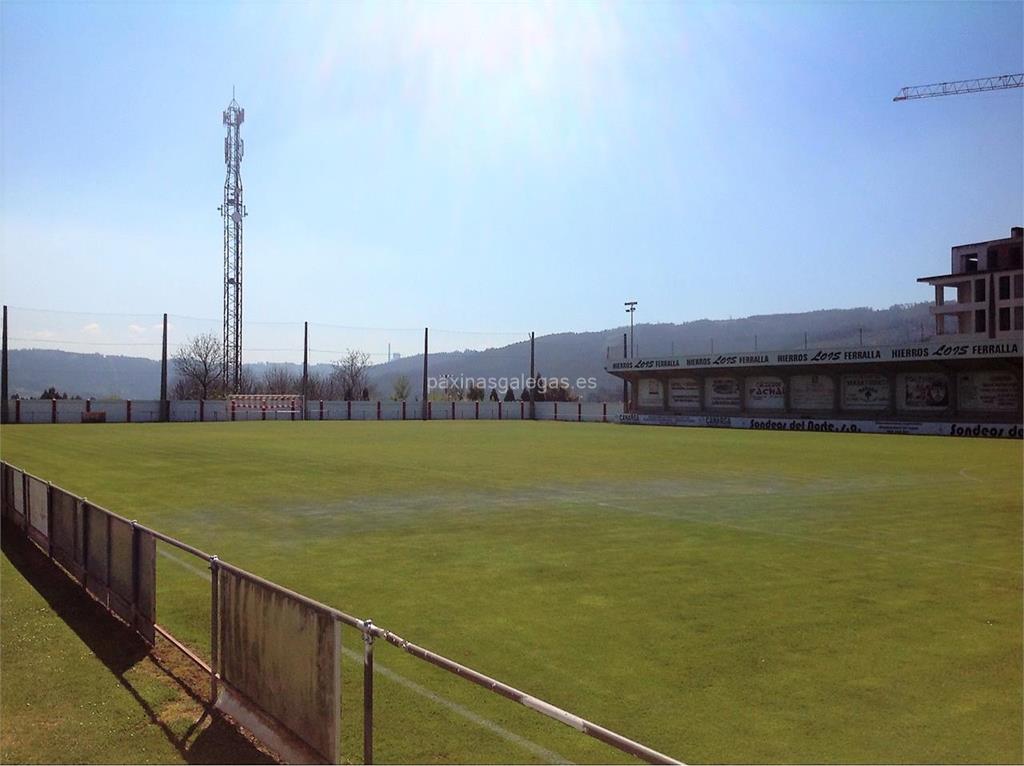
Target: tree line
x,y
199,367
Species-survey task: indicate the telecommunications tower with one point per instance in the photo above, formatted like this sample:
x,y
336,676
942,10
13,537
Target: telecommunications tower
x,y
233,211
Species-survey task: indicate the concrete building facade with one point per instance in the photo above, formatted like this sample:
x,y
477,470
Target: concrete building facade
x,y
986,282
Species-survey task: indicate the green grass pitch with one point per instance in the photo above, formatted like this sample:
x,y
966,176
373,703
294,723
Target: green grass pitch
x,y
723,596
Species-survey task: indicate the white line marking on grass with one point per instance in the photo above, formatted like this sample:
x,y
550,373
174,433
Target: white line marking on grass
x,y
963,472
542,753
190,567
884,552
545,755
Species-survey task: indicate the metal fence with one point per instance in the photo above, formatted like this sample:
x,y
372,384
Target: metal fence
x,y
275,655
220,410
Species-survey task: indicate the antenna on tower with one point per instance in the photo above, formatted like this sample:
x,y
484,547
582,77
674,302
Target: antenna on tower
x,y
233,211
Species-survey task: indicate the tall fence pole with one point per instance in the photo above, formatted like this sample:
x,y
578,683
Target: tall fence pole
x,y
368,692
163,377
305,367
533,383
4,414
423,402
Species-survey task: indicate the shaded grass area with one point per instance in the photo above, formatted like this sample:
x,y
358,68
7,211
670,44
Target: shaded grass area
x,y
720,595
78,687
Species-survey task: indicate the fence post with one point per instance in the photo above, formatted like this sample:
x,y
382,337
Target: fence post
x,y
556,411
403,409
349,403
533,385
26,510
368,692
579,412
321,409
79,541
378,409
305,369
85,542
128,411
49,519
477,416
53,410
425,414
499,410
164,404
135,574
17,410
110,556
453,410
202,410
214,628
604,412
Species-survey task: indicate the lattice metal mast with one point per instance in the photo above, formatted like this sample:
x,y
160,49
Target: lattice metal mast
x,y
982,84
233,211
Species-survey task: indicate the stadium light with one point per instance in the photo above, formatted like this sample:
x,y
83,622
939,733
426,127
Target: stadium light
x,y
630,308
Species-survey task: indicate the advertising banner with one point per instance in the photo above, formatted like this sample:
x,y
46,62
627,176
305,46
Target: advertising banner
x,y
765,392
722,393
684,394
830,425
812,392
988,391
923,391
913,352
649,393
865,392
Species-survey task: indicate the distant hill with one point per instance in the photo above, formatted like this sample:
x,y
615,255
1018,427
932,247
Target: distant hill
x,y
571,355
574,355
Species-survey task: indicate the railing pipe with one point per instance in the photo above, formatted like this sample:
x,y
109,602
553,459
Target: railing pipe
x,y
589,728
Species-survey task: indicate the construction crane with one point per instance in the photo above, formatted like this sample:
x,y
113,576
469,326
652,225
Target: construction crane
x,y
982,84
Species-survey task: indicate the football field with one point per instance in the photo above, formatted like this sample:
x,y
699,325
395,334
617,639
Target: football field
x,y
721,596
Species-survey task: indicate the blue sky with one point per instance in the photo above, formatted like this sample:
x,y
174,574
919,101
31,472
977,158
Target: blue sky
x,y
502,167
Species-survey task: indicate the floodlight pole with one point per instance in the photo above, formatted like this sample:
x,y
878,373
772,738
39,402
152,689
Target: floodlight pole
x,y
4,405
625,383
305,367
630,308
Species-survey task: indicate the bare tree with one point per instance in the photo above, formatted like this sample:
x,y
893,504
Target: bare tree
x,y
349,379
317,387
281,380
199,364
402,387
247,381
184,388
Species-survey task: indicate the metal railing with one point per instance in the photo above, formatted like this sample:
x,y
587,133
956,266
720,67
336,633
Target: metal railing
x,y
369,631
